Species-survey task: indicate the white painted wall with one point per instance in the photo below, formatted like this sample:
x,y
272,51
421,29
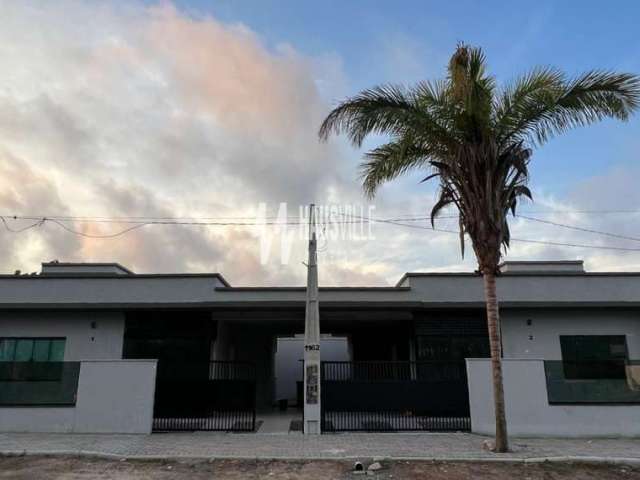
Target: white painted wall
x,y
37,419
539,289
528,410
114,396
83,342
542,338
44,291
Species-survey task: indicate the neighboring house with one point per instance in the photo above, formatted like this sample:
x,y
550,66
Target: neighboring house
x,y
93,347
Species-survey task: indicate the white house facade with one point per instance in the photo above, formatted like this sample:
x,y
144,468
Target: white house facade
x,y
90,347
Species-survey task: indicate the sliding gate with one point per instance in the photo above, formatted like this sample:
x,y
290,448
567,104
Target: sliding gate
x,y
205,396
394,396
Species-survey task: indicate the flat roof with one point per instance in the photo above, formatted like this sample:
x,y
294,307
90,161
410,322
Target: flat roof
x,y
56,263
102,290
89,275
536,273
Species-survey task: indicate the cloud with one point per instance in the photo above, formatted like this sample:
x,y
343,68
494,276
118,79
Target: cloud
x,y
604,203
136,110
123,109
25,190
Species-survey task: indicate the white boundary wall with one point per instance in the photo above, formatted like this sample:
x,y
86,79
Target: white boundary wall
x,y
528,410
114,396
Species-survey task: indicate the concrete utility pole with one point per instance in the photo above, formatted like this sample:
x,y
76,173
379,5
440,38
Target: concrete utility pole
x,y
312,337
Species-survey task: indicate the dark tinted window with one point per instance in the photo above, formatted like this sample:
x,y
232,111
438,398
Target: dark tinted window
x,y
32,349
593,356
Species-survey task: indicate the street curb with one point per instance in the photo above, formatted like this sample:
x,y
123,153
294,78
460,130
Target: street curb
x,y
523,460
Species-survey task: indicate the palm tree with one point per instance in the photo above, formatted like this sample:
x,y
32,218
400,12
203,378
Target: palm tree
x,y
477,140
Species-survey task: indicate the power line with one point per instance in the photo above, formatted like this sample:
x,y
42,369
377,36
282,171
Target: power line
x,y
582,212
548,222
41,220
399,217
20,230
194,220
178,221
524,240
168,221
137,225
91,235
576,245
137,220
65,227
580,229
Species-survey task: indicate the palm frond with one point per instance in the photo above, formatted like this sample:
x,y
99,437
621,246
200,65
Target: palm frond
x,y
475,138
519,94
391,160
386,109
556,108
445,199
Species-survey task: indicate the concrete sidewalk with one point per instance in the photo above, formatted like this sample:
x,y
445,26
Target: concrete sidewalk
x,y
419,446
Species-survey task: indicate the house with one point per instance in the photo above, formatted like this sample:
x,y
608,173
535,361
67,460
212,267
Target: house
x,y
95,347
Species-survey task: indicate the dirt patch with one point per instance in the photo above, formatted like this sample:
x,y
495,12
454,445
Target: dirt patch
x,y
84,468
503,471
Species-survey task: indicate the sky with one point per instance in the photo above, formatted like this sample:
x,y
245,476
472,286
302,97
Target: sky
x,y
210,109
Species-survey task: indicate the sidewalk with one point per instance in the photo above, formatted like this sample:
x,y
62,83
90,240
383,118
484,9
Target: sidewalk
x,y
406,446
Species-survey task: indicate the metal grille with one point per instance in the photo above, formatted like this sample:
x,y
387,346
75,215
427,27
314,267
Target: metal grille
x,y
394,396
205,396
228,421
462,325
381,372
391,422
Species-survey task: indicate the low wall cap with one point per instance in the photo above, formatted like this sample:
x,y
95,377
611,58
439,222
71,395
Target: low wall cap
x,y
556,266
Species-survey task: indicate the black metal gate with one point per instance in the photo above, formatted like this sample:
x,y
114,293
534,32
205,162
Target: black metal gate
x,y
394,396
205,396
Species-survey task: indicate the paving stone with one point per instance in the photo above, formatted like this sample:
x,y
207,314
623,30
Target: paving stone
x,y
348,445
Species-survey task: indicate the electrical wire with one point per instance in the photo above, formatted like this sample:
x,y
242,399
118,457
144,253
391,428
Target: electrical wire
x,y
399,217
193,220
582,212
20,230
580,229
523,240
151,221
138,224
91,235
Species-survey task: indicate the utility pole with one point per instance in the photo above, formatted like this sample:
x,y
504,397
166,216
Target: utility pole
x,y
312,337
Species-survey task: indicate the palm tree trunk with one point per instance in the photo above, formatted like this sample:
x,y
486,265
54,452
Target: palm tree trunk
x,y
493,324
